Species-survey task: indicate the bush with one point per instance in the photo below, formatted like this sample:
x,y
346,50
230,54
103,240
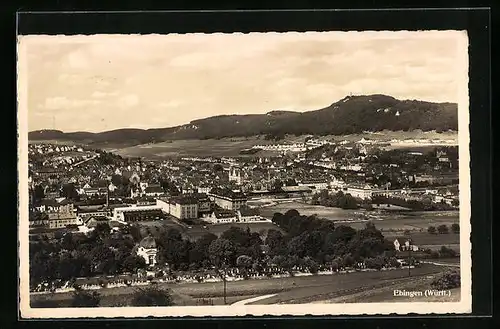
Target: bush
x,y
152,296
431,230
455,228
448,280
442,229
85,299
447,252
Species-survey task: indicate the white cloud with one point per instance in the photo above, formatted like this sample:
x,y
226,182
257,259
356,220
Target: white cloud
x,y
61,102
171,103
129,100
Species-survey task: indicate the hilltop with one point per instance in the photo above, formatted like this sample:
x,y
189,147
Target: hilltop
x,y
350,115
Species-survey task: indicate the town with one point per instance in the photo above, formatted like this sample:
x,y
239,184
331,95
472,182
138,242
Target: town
x,y
163,216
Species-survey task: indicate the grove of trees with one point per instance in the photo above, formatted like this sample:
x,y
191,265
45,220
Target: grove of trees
x,y
338,200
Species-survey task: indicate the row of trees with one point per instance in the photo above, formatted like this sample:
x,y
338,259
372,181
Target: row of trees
x,y
310,243
444,229
338,200
78,255
425,204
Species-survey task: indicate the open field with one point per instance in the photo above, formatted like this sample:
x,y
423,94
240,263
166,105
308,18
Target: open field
x,y
386,294
413,221
288,290
194,147
424,238
232,146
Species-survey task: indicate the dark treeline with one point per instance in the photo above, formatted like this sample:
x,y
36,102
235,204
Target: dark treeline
x,y
417,205
78,255
337,200
309,243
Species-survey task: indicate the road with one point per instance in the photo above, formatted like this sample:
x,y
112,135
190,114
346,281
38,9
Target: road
x,y
251,300
442,264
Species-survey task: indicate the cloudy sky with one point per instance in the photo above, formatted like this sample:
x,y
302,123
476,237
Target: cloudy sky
x,y
105,82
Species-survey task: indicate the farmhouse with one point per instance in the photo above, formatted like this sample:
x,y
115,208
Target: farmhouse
x,y
404,244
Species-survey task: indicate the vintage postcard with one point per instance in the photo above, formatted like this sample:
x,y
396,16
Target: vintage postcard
x,y
318,173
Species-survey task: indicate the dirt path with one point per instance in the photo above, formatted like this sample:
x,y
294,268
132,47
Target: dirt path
x,y
252,300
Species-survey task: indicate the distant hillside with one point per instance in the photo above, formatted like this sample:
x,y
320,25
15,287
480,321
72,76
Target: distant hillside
x,y
350,115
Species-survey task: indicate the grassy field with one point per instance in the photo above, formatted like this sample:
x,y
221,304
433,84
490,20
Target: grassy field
x,y
424,238
386,221
333,286
386,294
232,146
199,148
303,289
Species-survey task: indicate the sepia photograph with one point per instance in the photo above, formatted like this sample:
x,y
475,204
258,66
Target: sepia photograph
x,y
232,174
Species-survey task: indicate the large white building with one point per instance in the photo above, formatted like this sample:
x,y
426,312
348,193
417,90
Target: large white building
x,y
147,249
121,213
228,199
183,207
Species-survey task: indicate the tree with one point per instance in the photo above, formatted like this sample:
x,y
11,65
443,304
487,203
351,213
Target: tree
x,y
221,252
85,299
442,229
69,192
244,263
455,228
132,263
152,296
431,230
38,193
347,261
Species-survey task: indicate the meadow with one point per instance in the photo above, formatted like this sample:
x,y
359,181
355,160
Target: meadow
x,y
233,146
289,290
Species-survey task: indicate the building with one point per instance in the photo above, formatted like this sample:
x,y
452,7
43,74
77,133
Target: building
x,y
360,192
404,244
315,184
227,199
248,215
148,250
138,213
204,204
297,191
235,175
93,221
154,191
95,191
220,216
85,212
60,214
181,207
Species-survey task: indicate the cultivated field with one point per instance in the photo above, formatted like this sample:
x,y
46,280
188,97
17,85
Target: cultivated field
x,y
304,289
